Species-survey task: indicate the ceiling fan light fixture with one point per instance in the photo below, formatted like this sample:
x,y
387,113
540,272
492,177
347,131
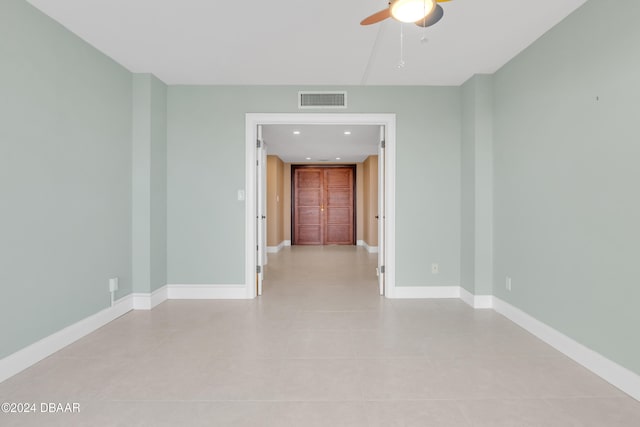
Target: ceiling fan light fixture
x,y
411,10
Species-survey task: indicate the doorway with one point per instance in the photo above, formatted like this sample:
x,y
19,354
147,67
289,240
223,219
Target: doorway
x,y
386,190
323,205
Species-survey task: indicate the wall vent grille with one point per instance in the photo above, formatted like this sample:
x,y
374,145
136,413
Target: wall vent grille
x,y
322,99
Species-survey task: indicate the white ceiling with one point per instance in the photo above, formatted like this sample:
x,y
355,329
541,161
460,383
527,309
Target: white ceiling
x,y
304,42
321,142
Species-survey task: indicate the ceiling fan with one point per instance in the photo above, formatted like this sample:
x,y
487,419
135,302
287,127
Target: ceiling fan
x,y
424,13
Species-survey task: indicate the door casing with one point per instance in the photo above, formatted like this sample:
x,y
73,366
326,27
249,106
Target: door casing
x,y
252,120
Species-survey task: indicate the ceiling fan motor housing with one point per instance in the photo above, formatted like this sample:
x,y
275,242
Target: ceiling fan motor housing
x,y
411,10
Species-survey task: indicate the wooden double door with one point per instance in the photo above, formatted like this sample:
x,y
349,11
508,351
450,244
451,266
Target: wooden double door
x,y
323,205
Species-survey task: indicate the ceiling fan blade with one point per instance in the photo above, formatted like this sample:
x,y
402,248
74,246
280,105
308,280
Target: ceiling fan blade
x,y
376,17
431,18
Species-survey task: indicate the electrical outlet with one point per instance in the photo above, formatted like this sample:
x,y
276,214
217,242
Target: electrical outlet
x,y
507,284
113,284
435,269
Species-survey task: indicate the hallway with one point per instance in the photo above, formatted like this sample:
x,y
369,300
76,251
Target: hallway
x,y
322,278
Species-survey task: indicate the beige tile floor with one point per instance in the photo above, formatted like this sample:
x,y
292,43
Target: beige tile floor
x,y
320,348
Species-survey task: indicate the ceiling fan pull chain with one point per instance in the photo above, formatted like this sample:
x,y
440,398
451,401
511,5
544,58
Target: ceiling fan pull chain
x,y
401,63
424,38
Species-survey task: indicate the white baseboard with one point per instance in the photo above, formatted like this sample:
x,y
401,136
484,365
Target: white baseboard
x,y
466,296
287,242
159,296
483,301
206,291
278,248
476,301
28,356
148,301
621,377
370,249
426,292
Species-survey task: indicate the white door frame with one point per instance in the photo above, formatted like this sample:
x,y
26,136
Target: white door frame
x,y
381,221
252,120
261,223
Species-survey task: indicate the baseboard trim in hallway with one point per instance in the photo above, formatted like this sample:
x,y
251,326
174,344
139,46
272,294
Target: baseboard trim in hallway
x,y
370,249
279,247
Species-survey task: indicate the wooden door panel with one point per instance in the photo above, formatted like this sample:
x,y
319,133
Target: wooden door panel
x,y
307,211
324,206
309,235
339,216
339,178
309,216
311,178
337,197
338,235
310,197
339,206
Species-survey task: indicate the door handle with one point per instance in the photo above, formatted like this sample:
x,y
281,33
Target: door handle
x,y
322,207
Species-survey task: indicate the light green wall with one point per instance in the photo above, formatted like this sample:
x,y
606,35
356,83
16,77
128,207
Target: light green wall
x,y
141,183
477,185
468,190
65,174
206,158
567,204
158,156
149,200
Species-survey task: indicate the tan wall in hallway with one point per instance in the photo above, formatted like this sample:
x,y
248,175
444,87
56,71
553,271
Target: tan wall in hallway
x,y
359,202
282,213
287,202
370,208
275,201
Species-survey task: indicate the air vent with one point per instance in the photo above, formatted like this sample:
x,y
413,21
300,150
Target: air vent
x,y
322,99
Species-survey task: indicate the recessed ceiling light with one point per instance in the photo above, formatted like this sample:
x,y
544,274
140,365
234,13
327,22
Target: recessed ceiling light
x,y
296,132
347,132
308,158
337,158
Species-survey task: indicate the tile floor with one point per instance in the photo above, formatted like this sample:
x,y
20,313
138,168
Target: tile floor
x,y
320,348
